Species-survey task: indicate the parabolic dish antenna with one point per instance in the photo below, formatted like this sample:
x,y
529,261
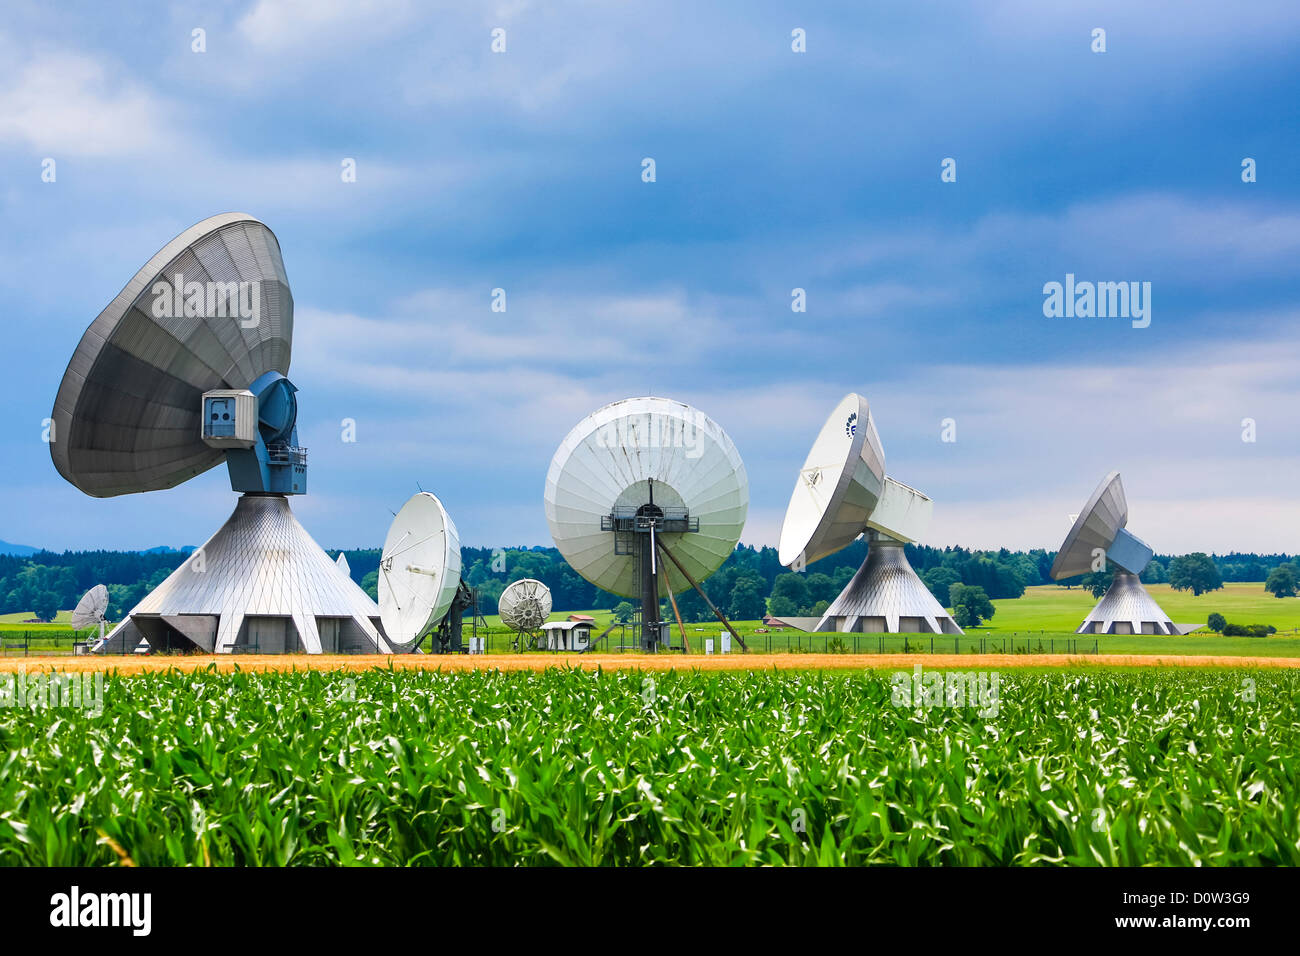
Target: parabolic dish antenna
x,y
639,478
842,491
91,608
839,485
419,571
1100,528
615,459
128,411
525,605
186,368
1097,536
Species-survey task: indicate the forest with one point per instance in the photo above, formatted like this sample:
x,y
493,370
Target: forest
x,y
750,583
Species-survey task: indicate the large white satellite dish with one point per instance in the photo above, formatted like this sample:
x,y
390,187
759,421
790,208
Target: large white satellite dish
x,y
184,369
641,477
1098,535
128,412
419,571
842,491
839,485
1101,527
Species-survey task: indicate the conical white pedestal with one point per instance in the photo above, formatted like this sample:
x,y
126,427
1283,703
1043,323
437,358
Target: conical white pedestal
x,y
260,583
1127,608
887,595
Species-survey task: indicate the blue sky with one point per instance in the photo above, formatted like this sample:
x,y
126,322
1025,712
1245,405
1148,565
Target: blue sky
x,y
775,170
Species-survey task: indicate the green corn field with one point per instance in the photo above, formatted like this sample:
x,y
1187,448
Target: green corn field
x,y
382,767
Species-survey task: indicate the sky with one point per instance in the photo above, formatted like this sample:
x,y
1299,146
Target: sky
x,y
775,170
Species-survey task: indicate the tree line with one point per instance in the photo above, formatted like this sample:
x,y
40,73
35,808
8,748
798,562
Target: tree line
x,y
750,582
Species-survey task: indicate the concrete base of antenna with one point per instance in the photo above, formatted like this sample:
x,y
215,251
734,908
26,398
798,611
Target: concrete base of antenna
x,y
261,584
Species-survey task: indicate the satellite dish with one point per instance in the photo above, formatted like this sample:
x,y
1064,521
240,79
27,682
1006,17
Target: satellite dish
x,y
419,571
184,369
1100,527
641,477
128,412
1099,535
842,492
524,606
90,610
342,562
839,485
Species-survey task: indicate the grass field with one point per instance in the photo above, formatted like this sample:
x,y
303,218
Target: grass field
x,y
622,759
25,621
1136,767
1042,621
1054,608
135,664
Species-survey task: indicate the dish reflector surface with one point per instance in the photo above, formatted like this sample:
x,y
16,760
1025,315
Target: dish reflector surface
x,y
841,492
127,415
525,605
90,609
839,485
608,462
1101,526
419,570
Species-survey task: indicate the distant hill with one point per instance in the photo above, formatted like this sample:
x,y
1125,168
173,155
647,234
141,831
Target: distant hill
x,y
24,551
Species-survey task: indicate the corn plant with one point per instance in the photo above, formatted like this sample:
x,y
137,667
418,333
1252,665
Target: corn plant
x,y
572,767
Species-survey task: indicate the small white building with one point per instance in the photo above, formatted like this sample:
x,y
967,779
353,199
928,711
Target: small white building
x,y
566,635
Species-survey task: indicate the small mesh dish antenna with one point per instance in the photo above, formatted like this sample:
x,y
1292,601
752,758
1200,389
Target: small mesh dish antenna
x,y
525,605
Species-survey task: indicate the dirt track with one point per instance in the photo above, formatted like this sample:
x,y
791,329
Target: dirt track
x,y
730,662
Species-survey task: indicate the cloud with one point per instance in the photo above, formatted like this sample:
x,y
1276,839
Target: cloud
x,y
280,25
1181,236
1030,439
72,104
777,170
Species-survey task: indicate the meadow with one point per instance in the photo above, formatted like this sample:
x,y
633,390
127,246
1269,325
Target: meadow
x,y
1042,621
1050,607
1085,767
